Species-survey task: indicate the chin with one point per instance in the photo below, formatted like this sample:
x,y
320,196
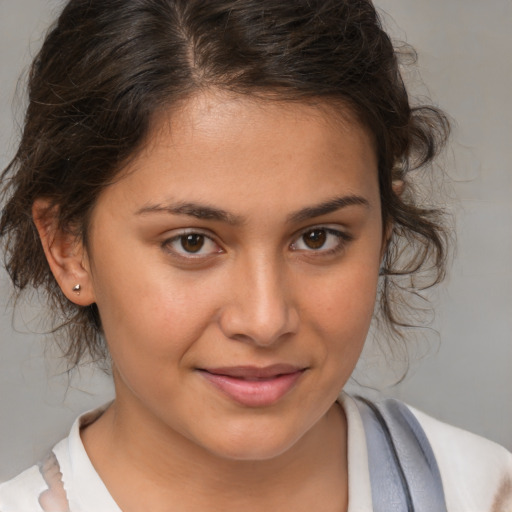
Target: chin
x,y
252,452
265,443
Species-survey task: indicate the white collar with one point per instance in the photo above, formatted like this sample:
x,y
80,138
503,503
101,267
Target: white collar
x,y
86,491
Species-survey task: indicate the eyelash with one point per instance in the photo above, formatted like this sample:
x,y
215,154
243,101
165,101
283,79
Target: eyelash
x,y
167,245
343,239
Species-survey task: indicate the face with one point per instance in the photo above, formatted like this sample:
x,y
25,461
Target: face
x,y
235,266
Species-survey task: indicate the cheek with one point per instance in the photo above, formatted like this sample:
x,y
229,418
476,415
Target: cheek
x,y
342,312
157,318
347,300
150,330
149,312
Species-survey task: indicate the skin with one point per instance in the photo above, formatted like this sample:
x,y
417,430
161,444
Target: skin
x,y
255,294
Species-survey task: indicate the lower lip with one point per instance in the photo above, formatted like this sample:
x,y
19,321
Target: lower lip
x,y
254,393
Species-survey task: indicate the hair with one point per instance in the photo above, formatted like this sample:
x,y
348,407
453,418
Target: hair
x,y
108,67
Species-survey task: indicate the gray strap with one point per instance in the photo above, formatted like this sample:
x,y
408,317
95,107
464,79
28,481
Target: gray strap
x,y
54,499
403,470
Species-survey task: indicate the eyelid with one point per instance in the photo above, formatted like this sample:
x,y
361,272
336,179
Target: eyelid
x,y
343,236
177,234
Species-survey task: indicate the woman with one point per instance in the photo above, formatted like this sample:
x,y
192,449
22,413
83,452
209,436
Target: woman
x,y
213,195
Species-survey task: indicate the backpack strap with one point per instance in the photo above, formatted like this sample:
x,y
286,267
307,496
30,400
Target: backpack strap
x,y
403,470
54,499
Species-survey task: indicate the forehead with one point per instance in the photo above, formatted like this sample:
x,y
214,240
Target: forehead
x,y
222,148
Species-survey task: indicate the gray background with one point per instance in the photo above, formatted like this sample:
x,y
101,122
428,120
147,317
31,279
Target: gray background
x,y
463,373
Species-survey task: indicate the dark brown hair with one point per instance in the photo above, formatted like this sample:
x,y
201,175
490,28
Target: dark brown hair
x,y
107,67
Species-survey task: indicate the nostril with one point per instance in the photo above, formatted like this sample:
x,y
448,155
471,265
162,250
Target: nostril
x,y
263,330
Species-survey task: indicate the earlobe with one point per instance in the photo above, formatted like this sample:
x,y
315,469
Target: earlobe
x,y
65,254
398,187
388,231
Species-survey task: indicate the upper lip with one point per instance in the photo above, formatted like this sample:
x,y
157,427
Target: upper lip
x,y
255,372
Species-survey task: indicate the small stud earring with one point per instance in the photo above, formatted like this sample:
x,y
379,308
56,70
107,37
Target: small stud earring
x,y
77,289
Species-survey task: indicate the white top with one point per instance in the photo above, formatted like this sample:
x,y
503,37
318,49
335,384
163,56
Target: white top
x,y
476,473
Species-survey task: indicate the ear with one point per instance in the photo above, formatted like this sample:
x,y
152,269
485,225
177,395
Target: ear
x,y
388,231
398,187
65,254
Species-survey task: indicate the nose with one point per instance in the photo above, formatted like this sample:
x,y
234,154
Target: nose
x,y
261,309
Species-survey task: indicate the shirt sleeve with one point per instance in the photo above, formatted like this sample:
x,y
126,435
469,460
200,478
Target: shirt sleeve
x,y
476,472
21,494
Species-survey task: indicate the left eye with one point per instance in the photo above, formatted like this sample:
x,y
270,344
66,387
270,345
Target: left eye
x,y
320,240
192,244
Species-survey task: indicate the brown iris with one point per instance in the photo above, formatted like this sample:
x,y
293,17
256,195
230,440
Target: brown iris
x,y
193,242
315,239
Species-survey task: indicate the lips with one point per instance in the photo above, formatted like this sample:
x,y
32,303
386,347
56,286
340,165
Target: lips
x,y
254,386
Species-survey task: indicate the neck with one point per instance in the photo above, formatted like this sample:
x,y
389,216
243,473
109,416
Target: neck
x,y
136,456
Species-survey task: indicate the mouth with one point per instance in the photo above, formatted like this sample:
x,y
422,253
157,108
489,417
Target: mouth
x,y
253,386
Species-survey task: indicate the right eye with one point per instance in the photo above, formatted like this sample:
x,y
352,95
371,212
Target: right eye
x,y
191,245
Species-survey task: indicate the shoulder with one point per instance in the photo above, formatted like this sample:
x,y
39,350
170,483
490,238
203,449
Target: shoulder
x,y
476,472
62,475
22,492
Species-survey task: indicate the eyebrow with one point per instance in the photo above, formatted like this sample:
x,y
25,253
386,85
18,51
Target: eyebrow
x,y
206,212
329,206
199,211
